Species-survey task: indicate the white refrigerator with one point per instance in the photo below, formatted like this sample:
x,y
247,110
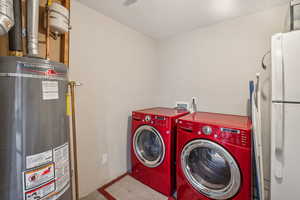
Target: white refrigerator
x,y
285,117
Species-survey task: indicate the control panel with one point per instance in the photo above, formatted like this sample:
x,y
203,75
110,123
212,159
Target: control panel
x,y
237,137
215,133
153,120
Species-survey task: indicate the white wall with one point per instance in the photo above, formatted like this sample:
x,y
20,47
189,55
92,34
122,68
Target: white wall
x,y
118,68
122,70
216,63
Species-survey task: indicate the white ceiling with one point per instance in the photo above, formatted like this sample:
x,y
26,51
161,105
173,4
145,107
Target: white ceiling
x,y
162,18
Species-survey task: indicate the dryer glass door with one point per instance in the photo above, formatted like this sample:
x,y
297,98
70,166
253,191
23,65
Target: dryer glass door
x,y
210,169
148,146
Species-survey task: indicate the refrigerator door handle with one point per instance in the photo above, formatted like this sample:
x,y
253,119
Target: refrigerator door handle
x,y
279,127
278,130
277,68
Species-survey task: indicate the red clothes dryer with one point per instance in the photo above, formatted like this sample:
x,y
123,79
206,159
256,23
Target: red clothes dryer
x,y
153,147
214,157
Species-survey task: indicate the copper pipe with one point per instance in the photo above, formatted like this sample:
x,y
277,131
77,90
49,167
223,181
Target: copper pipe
x,y
72,85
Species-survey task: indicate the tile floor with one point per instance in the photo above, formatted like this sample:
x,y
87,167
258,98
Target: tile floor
x,y
128,188
94,196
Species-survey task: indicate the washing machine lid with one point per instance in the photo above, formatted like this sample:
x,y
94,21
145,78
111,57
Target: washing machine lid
x,y
149,146
210,169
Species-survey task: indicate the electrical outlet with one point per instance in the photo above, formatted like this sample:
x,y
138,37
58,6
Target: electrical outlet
x,y
104,158
182,104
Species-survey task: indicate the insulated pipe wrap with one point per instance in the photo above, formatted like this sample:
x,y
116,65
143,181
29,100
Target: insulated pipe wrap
x,y
33,27
6,16
59,19
15,34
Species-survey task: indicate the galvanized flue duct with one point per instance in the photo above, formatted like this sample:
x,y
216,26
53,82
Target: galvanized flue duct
x,y
33,27
15,34
6,16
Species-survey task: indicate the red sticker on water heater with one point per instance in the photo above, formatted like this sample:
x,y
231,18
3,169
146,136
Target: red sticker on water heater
x,y
47,181
41,192
39,176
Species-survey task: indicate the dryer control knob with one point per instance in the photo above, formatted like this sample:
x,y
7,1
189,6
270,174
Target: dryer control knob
x,y
148,118
207,130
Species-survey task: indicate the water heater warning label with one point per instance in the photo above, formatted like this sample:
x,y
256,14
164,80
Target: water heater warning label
x,y
50,90
39,176
41,192
62,170
47,181
39,159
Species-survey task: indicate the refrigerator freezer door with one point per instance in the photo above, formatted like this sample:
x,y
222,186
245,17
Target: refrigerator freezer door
x,y
286,67
291,66
285,174
277,68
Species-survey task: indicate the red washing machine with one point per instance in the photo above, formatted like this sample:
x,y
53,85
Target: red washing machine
x,y
214,157
153,147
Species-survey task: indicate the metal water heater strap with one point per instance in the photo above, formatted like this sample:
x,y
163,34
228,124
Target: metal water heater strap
x,y
32,76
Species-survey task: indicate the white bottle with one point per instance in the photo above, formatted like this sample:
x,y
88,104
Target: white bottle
x,y
193,107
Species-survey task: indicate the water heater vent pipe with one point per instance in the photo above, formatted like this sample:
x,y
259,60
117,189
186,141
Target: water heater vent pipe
x,y
33,27
15,34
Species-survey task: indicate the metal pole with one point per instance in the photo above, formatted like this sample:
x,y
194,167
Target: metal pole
x,y
49,2
72,85
15,34
292,16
